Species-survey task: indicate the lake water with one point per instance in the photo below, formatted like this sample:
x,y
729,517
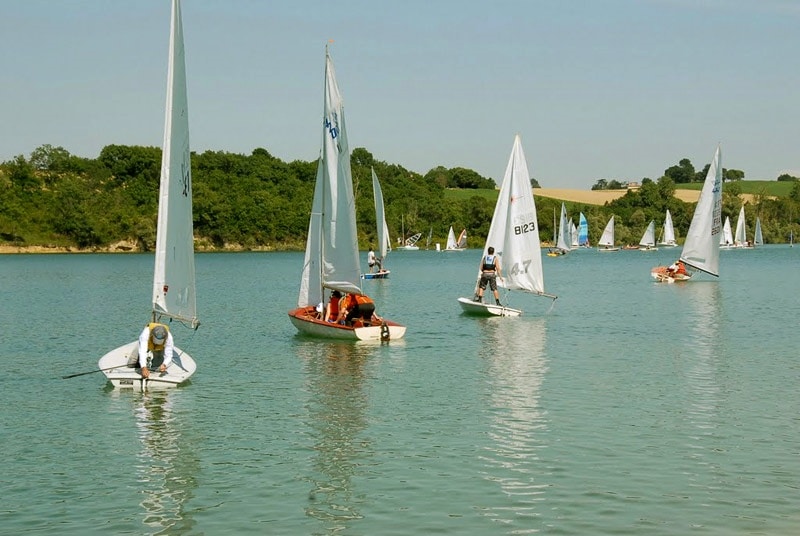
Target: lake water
x,y
629,407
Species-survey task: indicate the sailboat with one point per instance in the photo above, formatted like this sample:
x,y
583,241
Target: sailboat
x,y
701,248
648,241
583,232
515,235
606,242
758,239
331,260
563,237
410,243
740,237
454,244
668,233
573,234
384,243
726,237
173,276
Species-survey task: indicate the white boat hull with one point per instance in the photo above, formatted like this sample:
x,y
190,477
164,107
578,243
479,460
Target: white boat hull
x,y
484,309
383,274
122,376
407,248
309,325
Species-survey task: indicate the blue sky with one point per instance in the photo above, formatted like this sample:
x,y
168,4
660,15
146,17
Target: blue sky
x,y
614,89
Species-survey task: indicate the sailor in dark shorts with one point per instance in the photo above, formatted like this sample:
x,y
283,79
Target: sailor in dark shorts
x,y
490,271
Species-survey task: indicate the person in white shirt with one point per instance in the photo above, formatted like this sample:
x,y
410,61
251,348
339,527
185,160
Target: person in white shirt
x,y
155,348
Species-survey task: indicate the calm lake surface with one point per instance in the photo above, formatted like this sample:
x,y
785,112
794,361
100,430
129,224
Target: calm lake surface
x,y
628,407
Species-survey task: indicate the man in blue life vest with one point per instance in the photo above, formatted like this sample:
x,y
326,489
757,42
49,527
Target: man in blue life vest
x,y
490,271
155,348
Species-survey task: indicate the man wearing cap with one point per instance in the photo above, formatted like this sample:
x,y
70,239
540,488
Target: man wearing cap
x,y
156,341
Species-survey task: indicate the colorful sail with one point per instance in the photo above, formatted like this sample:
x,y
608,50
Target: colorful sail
x,y
583,231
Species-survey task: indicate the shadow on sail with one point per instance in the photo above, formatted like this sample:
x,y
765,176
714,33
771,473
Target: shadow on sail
x,y
517,366
336,417
166,466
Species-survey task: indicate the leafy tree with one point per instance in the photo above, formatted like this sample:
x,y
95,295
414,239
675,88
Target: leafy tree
x,y
787,177
732,175
682,173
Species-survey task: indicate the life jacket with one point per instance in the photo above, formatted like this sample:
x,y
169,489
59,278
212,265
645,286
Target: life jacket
x,y
150,344
362,299
488,263
333,307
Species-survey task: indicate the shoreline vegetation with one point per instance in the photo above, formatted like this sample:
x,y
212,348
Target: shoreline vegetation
x,y
589,197
56,202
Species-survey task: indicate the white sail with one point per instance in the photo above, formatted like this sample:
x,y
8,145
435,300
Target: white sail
x,y
740,238
564,238
701,249
607,238
726,236
514,232
451,239
173,275
332,247
173,278
649,237
668,238
758,240
573,235
384,242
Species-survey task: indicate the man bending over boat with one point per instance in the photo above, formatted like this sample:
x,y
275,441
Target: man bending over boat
x,y
490,271
357,306
155,348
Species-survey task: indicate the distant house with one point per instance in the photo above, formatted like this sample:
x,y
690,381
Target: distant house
x,y
633,186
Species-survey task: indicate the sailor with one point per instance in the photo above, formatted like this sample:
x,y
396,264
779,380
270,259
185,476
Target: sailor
x,y
490,271
155,348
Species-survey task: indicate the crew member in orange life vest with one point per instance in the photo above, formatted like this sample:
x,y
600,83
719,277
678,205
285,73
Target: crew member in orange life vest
x,y
156,342
354,306
490,271
677,267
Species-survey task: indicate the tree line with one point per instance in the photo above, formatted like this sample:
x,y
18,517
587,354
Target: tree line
x,y
258,201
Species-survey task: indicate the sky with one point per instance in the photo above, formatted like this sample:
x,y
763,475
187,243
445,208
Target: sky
x,y
597,89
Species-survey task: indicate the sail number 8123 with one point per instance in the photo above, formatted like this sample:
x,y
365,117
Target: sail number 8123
x,y
524,228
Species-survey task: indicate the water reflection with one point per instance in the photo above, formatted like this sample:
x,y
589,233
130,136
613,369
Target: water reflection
x,y
703,354
337,406
165,465
704,349
515,354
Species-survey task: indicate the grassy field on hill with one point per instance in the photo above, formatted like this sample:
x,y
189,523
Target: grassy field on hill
x,y
600,197
770,188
